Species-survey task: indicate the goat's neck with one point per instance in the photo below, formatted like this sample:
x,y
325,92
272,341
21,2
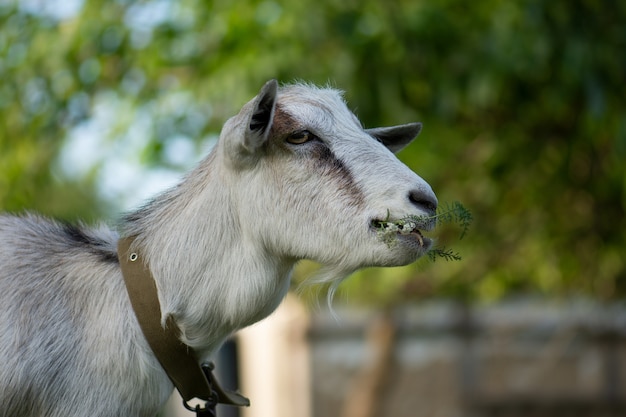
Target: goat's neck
x,y
211,278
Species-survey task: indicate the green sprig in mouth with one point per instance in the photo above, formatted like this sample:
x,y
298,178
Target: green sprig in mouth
x,y
388,230
412,226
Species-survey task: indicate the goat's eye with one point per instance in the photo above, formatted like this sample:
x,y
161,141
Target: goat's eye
x,y
301,137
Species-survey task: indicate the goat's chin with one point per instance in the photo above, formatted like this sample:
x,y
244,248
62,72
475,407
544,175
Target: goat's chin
x,y
403,251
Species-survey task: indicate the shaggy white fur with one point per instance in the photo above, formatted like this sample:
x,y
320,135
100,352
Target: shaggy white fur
x,y
294,176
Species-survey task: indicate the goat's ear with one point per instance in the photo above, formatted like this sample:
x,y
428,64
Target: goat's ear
x,y
261,118
396,138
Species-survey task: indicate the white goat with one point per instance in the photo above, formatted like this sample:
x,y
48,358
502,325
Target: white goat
x,y
294,176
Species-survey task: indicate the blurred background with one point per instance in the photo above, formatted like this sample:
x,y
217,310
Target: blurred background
x,y
104,103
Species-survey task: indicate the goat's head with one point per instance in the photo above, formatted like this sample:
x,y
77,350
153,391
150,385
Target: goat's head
x,y
309,182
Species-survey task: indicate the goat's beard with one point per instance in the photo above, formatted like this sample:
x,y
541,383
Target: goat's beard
x,y
329,274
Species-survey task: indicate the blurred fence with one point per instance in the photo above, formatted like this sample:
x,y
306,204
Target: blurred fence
x,y
513,359
439,359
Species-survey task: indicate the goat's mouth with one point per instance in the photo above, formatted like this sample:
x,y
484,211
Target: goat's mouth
x,y
405,230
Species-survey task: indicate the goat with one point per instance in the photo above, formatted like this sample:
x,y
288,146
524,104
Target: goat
x,y
293,176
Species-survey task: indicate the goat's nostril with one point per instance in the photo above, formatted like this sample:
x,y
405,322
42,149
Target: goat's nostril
x,y
424,201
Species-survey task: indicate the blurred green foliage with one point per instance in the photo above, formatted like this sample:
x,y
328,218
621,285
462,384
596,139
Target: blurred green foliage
x,y
523,105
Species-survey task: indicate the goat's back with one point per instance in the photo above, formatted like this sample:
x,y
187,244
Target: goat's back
x,y
67,335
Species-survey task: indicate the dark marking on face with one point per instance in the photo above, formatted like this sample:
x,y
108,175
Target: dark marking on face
x,y
80,238
327,164
316,156
284,123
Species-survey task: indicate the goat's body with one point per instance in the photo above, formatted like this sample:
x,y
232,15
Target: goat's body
x,y
69,343
67,327
294,176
